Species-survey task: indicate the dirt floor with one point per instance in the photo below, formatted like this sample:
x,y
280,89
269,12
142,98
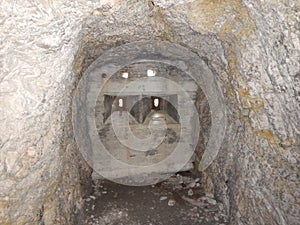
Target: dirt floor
x,y
177,201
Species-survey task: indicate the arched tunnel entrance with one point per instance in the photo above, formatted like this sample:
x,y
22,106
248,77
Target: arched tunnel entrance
x,y
150,114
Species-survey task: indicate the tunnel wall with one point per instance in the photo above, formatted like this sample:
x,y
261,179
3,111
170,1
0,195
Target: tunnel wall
x,y
252,47
39,164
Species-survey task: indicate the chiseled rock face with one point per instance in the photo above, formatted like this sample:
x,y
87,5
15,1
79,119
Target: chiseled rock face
x,y
252,46
169,3
39,175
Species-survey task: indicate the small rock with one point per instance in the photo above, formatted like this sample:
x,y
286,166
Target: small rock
x,y
178,187
193,201
162,198
190,192
209,195
195,209
211,201
92,197
191,185
104,192
171,202
221,206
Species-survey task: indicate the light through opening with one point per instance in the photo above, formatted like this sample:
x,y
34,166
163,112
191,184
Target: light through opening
x,y
150,73
120,102
125,75
156,102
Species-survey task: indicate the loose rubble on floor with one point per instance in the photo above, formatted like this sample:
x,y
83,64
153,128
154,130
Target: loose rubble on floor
x,y
180,200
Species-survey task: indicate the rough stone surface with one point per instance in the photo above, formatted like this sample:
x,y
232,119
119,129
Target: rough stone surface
x,y
39,177
251,45
164,203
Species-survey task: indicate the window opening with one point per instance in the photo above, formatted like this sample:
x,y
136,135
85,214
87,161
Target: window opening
x,y
120,103
155,103
125,75
151,73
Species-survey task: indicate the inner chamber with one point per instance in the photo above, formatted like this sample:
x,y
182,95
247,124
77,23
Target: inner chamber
x,y
139,95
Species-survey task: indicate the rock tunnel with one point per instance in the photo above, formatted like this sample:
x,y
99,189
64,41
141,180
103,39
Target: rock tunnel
x,y
188,108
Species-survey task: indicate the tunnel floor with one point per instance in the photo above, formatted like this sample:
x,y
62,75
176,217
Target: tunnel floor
x,y
179,200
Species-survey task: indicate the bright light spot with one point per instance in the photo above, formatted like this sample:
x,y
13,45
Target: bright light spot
x,y
120,102
150,73
125,75
156,102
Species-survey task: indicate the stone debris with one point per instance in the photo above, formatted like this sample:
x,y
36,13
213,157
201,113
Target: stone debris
x,y
196,210
162,198
193,201
180,182
191,185
92,197
171,202
221,206
110,217
211,201
201,202
209,195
